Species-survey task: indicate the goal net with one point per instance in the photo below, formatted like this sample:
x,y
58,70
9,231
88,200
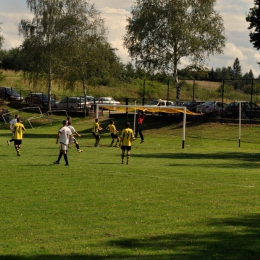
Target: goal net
x,y
150,109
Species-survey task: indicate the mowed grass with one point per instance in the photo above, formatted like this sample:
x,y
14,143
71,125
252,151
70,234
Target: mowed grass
x,y
200,202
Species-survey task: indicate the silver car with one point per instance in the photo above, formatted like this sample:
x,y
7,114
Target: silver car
x,y
107,100
73,104
212,108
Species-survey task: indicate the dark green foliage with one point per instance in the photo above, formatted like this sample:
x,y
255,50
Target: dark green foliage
x,y
252,89
253,18
12,59
1,38
237,70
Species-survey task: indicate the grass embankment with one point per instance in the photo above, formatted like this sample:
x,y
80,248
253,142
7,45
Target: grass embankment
x,y
202,90
201,202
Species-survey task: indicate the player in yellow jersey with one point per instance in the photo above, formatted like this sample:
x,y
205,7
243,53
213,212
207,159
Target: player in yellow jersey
x,y
18,135
112,129
127,137
96,128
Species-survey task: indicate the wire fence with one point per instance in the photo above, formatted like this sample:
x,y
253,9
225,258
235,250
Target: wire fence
x,y
246,90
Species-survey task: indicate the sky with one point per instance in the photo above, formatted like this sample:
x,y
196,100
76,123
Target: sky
x,y
115,12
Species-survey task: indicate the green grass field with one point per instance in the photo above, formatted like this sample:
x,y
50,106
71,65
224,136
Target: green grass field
x,y
201,202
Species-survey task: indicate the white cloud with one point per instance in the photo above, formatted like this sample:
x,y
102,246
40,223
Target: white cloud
x,y
235,22
257,56
119,4
115,20
10,23
232,50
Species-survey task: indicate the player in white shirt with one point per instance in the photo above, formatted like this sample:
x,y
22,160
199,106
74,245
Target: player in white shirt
x,y
11,127
73,139
64,135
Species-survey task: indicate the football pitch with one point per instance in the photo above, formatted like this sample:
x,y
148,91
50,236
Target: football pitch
x,y
200,202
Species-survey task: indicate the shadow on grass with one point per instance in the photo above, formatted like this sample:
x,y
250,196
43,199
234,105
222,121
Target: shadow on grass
x,y
239,239
249,157
230,160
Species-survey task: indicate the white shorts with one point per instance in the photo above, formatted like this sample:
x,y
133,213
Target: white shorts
x,y
73,140
63,147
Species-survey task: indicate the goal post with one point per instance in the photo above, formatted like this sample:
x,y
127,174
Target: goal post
x,y
150,109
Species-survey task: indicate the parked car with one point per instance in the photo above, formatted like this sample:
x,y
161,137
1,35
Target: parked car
x,y
248,109
212,108
39,99
73,104
10,94
88,98
107,100
192,105
90,101
160,103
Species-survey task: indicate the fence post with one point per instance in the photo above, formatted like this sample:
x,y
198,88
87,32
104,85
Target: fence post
x,y
126,110
193,91
143,93
168,90
222,97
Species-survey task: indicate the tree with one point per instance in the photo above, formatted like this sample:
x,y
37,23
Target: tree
x,y
161,32
253,18
85,50
230,70
42,40
1,44
218,74
11,59
66,39
1,38
236,70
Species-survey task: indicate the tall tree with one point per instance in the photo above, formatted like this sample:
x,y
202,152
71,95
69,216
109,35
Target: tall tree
x,y
225,73
161,32
236,70
42,40
1,56
253,18
84,43
1,37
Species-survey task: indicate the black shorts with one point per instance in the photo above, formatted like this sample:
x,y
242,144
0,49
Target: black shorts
x,y
96,136
17,142
128,148
114,135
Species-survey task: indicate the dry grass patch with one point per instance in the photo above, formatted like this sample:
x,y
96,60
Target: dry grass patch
x,y
205,84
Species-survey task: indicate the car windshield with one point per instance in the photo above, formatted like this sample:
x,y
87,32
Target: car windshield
x,y
154,102
11,91
88,98
106,99
188,103
208,103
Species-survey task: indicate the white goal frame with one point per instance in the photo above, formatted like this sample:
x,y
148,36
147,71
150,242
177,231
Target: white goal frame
x,y
179,109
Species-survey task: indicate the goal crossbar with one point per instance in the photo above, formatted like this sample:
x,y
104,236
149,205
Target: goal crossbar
x,y
151,109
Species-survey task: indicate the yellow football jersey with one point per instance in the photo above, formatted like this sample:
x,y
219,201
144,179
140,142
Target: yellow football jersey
x,y
112,128
127,137
18,131
95,128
